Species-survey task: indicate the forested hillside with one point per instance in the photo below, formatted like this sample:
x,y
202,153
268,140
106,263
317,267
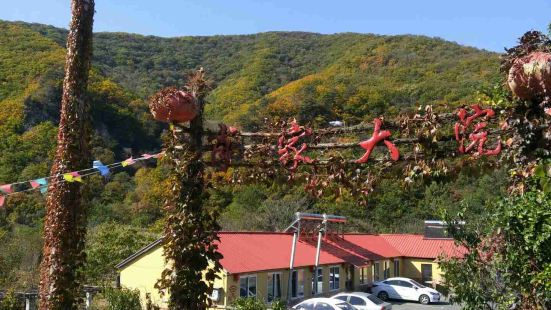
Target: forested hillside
x,y
314,77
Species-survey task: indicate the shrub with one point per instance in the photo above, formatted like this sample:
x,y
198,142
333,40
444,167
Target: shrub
x,y
122,298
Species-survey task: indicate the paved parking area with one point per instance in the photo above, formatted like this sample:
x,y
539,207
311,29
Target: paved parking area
x,y
402,305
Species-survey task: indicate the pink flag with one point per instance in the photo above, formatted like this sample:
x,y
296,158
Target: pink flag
x,y
6,188
2,200
147,156
159,155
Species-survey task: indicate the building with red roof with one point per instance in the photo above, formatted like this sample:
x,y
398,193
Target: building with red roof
x,y
258,264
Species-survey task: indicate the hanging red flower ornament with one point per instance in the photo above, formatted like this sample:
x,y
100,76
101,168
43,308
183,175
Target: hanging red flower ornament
x,y
223,146
290,155
478,136
377,137
530,76
173,105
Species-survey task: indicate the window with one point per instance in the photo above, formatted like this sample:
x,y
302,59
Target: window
x,y
274,286
356,301
376,271
323,306
342,297
386,270
396,268
406,284
375,300
426,273
334,278
317,289
363,275
247,286
297,284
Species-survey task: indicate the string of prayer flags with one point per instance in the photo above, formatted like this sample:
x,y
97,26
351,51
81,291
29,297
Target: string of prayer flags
x,y
6,188
41,183
128,162
72,177
103,169
159,155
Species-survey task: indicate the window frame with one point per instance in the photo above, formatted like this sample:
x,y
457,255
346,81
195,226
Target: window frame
x,y
248,277
364,279
316,282
376,271
396,268
273,274
332,278
297,283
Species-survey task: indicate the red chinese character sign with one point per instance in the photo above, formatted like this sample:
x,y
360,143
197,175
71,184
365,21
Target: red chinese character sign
x,y
378,136
291,155
479,134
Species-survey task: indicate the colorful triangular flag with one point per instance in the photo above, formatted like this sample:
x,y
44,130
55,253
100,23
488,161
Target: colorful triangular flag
x,y
6,188
128,162
2,200
103,169
41,183
147,156
72,177
159,155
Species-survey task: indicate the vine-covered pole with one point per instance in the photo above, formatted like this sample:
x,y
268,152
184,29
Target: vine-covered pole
x,y
190,240
65,221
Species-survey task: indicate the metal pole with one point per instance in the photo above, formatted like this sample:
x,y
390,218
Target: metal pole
x,y
291,265
318,248
88,300
27,302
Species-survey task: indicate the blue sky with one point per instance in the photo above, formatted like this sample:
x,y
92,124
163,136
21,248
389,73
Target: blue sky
x,y
489,24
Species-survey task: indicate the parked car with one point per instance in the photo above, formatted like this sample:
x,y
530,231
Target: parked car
x,y
406,289
364,301
324,304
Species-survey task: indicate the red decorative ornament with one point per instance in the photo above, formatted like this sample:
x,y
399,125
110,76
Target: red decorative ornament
x,y
290,156
222,146
478,136
530,76
377,137
173,105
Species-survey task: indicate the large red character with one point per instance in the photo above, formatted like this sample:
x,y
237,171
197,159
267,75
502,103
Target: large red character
x,y
291,155
478,136
377,137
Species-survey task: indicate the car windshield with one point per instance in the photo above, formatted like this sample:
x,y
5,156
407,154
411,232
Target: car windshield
x,y
375,300
417,284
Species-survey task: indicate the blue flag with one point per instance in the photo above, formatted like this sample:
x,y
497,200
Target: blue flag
x,y
103,169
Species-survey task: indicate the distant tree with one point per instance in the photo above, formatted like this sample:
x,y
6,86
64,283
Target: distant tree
x,y
107,245
65,222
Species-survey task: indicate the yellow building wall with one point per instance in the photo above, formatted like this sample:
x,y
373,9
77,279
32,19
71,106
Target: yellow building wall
x,y
143,273
412,269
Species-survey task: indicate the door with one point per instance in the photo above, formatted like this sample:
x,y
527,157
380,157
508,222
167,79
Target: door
x,y
408,291
426,274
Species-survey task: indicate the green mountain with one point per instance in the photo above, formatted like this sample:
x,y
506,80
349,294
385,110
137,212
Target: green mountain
x,y
348,76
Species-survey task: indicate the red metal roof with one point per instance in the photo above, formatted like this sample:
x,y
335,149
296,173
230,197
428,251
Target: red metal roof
x,y
253,251
418,246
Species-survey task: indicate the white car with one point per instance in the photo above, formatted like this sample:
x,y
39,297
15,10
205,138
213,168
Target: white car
x,y
406,289
364,301
323,304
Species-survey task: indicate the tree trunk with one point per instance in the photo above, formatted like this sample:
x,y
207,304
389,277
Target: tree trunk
x,y
65,222
191,230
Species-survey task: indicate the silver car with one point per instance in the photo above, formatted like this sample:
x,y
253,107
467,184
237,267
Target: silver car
x,y
363,301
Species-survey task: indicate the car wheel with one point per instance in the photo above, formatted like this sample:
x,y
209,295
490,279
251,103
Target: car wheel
x,y
383,296
424,299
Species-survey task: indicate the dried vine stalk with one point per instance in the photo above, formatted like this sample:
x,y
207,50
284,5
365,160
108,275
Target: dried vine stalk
x,y
190,240
65,221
